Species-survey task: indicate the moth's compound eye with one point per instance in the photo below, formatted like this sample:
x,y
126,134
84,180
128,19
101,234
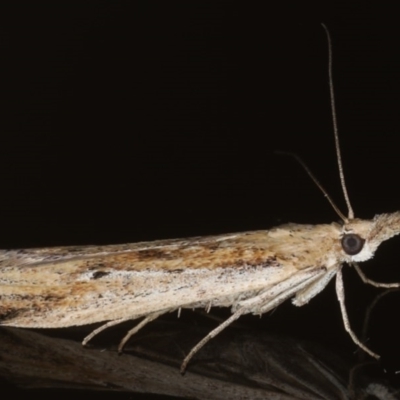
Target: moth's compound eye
x,y
352,244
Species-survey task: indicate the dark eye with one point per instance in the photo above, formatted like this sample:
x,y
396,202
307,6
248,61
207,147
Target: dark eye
x,y
352,244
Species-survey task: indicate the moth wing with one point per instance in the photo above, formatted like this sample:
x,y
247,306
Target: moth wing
x,y
66,286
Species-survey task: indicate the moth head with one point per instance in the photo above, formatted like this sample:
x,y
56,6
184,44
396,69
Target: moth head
x,y
361,238
354,240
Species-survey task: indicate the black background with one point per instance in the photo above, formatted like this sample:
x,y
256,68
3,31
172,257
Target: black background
x,y
129,121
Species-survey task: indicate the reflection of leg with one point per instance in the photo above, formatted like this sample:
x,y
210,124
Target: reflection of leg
x,y
371,308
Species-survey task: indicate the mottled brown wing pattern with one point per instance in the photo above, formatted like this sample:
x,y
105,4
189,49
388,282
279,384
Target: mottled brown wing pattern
x,y
58,287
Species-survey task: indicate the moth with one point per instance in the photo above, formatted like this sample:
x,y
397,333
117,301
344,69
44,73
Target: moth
x,y
250,272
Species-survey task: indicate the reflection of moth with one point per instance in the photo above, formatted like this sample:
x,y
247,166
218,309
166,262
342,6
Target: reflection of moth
x,y
251,272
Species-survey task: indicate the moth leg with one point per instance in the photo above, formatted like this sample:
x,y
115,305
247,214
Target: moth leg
x,y
266,301
109,324
340,296
368,281
101,328
211,335
260,304
139,326
305,295
271,298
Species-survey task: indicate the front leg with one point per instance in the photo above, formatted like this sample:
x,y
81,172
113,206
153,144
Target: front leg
x,y
305,295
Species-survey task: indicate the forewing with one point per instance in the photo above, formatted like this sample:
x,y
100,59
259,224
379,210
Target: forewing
x,y
58,287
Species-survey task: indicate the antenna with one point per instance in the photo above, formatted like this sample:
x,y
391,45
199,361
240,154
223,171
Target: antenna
x,y
335,128
316,181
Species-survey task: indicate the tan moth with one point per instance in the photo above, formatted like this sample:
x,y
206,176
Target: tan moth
x,y
250,272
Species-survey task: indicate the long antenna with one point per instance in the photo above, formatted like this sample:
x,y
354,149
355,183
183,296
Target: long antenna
x,y
316,181
335,128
